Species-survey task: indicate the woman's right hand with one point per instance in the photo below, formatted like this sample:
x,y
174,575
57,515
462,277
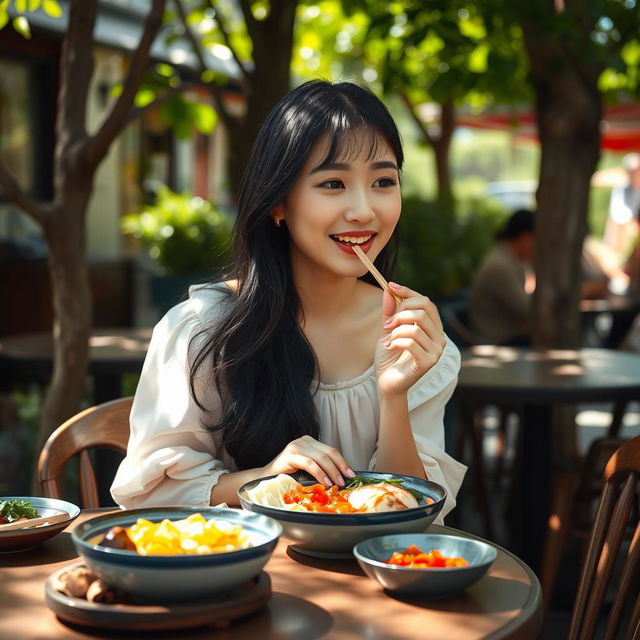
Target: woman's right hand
x,y
323,462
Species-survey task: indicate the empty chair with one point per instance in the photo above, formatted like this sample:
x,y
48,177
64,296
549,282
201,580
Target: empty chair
x,y
576,487
105,425
612,520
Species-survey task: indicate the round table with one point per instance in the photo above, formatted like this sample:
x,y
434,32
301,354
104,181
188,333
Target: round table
x,y
535,381
311,599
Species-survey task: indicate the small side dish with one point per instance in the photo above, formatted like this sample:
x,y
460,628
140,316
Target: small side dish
x,y
29,520
403,564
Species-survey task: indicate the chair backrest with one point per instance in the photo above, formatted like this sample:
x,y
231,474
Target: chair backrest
x,y
612,520
456,321
105,425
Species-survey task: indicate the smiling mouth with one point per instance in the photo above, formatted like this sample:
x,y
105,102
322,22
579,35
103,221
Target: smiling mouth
x,y
351,240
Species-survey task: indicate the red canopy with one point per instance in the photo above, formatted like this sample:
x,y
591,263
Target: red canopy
x,y
620,125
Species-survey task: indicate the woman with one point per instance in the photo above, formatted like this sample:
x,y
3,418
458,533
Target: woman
x,y
298,360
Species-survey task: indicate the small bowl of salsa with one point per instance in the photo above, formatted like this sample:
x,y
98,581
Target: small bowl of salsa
x,y
425,565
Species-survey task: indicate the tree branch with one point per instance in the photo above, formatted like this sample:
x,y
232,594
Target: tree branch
x,y
98,145
215,90
227,40
425,132
13,193
76,69
137,112
249,20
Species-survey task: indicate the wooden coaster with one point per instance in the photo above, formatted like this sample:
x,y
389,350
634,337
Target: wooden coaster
x,y
243,600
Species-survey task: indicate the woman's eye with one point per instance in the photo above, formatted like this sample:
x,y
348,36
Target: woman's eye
x,y
385,182
332,184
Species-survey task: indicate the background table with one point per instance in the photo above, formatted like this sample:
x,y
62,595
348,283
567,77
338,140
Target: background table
x,y
28,358
536,380
112,353
621,310
311,599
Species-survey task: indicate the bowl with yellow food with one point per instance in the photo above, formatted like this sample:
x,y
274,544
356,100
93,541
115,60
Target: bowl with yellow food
x,y
164,554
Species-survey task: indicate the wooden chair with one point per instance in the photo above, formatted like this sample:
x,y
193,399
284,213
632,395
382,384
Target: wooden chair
x,y
576,486
612,521
105,425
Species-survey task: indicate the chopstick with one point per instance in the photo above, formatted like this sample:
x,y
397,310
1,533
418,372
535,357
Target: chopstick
x,y
34,522
374,272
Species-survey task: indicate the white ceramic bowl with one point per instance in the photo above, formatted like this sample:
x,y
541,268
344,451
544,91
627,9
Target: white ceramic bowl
x,y
431,583
20,539
333,535
179,577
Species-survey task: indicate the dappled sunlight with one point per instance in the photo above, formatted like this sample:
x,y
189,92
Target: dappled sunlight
x,y
568,370
481,362
553,354
124,343
505,354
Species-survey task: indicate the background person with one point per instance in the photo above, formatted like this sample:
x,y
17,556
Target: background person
x,y
622,223
500,299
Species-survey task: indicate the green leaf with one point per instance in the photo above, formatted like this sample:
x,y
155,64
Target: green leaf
x,y
165,70
21,5
359,481
11,510
4,17
34,4
52,8
144,97
205,117
21,25
208,75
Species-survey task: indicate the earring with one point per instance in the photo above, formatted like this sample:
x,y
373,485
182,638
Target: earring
x,y
278,221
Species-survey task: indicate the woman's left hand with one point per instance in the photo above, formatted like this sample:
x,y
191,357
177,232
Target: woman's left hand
x,y
411,340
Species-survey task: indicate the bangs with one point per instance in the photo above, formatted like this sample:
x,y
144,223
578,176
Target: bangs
x,y
347,142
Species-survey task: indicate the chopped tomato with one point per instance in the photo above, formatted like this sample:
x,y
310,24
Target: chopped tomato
x,y
318,498
417,559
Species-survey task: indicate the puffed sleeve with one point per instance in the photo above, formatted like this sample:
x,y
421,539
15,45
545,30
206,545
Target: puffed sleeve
x,y
171,458
427,399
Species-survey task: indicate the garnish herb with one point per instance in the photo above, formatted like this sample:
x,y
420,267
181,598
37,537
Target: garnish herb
x,y
359,481
11,510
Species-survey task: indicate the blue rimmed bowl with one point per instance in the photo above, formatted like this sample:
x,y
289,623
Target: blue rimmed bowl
x,y
428,583
333,535
21,539
162,578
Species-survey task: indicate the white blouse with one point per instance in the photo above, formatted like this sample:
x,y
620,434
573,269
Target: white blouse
x,y
172,459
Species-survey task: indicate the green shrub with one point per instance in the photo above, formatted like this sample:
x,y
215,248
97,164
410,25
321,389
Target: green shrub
x,y
182,233
439,251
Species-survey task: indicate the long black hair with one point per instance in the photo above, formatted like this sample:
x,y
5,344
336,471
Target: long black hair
x,y
262,364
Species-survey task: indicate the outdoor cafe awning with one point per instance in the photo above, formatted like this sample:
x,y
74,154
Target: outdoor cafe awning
x,y
620,125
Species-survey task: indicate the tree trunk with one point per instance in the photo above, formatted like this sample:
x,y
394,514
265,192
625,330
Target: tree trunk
x,y
568,116
441,148
441,145
72,307
268,81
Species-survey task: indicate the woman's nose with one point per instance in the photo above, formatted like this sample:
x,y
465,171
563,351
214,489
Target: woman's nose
x,y
359,208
